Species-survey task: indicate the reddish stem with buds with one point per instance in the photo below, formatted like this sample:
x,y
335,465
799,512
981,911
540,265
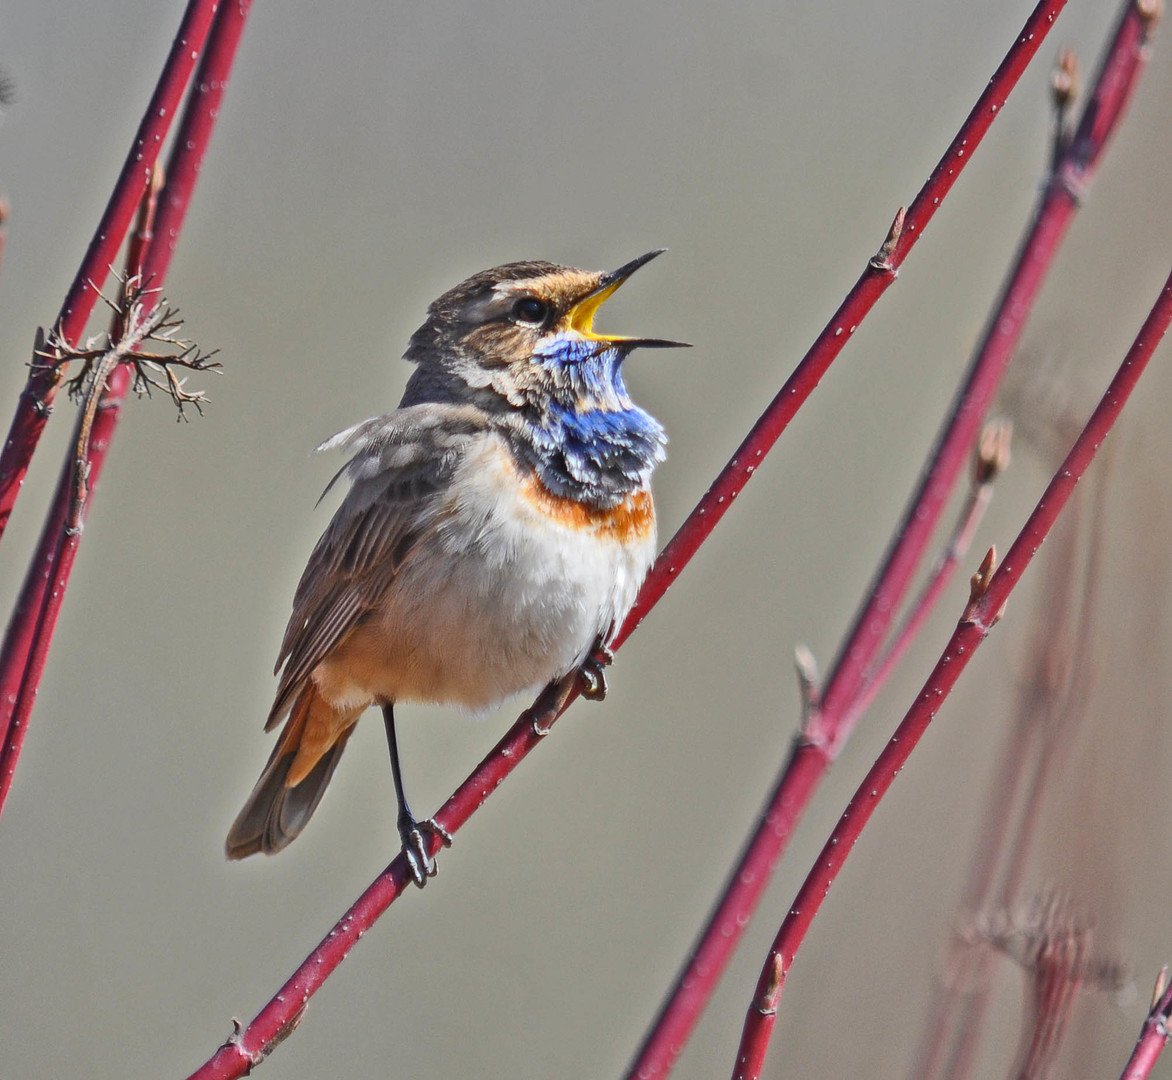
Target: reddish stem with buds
x,y
1153,1037
833,720
39,605
990,591
36,400
34,619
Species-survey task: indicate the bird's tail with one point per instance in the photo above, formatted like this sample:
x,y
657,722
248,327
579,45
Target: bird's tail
x,y
295,777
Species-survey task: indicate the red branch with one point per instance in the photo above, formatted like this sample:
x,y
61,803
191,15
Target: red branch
x,y
252,1044
991,458
1153,1036
989,594
830,724
1116,80
35,615
30,632
881,271
36,400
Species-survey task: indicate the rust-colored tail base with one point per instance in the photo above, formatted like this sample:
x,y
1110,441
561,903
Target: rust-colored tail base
x,y
294,779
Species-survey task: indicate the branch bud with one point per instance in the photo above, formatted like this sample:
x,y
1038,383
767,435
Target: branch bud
x,y
1150,12
1064,80
992,456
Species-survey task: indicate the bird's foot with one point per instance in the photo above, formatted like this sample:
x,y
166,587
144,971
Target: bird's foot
x,y
592,673
416,846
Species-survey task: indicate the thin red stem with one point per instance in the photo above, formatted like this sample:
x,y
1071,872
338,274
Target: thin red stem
x,y
1153,1037
277,1019
195,135
925,603
36,400
979,617
875,279
835,717
30,631
1113,87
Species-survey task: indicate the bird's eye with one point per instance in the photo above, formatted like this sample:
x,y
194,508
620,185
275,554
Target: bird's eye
x,y
531,311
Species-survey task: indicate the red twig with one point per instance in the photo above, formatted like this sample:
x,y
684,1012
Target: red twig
x,y
1052,709
1117,77
30,632
36,400
251,1044
990,590
1153,1036
830,724
34,618
881,271
195,134
991,459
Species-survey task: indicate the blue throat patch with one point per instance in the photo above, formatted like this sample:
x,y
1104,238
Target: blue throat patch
x,y
593,444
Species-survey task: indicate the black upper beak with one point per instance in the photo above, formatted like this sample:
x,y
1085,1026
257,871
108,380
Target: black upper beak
x,y
617,277
609,284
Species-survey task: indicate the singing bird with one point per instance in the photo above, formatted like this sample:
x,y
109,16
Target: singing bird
x,y
497,527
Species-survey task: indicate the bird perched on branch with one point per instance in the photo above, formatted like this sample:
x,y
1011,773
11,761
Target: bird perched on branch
x,y
497,528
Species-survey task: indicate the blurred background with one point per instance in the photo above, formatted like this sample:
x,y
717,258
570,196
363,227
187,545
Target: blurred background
x,y
369,156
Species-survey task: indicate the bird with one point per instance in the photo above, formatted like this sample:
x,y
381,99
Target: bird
x,y
497,528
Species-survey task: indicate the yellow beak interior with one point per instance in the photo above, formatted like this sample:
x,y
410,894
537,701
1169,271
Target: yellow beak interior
x,y
581,316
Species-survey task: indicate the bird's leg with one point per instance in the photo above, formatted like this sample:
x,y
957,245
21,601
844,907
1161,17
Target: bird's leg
x,y
592,673
411,831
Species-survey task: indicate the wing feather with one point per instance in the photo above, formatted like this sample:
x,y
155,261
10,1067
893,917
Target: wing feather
x,y
402,465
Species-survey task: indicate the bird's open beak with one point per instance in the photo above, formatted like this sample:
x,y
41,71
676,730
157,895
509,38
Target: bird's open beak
x,y
581,315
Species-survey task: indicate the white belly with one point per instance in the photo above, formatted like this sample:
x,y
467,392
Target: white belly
x,y
500,598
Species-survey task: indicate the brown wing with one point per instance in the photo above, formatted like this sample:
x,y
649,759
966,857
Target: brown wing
x,y
404,462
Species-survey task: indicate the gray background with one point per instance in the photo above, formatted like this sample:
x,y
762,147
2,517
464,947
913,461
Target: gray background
x,y
371,155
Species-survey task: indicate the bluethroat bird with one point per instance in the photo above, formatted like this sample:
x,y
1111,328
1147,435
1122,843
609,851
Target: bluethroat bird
x,y
497,528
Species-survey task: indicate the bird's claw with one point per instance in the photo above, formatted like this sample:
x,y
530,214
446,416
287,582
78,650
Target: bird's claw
x,y
415,847
592,673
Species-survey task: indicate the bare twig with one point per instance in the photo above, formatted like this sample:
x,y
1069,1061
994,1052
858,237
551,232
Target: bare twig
x,y
36,400
832,725
1153,1036
4,214
31,627
989,461
1052,707
30,631
990,589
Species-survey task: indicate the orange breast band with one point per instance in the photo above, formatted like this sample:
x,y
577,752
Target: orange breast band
x,y
632,519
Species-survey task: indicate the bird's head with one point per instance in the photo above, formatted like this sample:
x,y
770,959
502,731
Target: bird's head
x,y
525,331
